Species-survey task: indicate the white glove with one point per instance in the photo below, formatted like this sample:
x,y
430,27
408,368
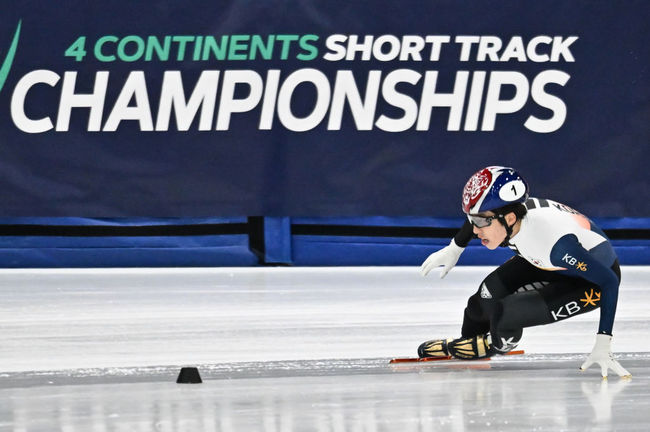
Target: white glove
x,y
602,354
446,257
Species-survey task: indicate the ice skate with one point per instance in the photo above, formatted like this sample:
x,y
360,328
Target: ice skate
x,y
471,348
434,348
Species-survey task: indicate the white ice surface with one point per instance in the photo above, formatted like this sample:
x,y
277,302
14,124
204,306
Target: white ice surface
x,y
295,349
70,319
513,398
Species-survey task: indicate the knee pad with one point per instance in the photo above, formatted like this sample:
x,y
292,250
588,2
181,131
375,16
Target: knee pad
x,y
480,306
477,316
492,287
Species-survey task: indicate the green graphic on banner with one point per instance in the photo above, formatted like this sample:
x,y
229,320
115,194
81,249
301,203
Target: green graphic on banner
x,y
6,64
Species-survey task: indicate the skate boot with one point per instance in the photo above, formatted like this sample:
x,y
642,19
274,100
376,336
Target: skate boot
x,y
471,348
434,348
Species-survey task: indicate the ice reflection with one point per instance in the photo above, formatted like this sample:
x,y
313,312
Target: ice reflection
x,y
601,397
423,401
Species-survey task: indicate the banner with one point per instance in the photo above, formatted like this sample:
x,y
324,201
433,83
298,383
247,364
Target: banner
x,y
309,108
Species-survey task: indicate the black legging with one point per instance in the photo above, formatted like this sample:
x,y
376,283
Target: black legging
x,y
518,295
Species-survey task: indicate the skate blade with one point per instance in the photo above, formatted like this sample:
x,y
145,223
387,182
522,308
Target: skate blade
x,y
433,359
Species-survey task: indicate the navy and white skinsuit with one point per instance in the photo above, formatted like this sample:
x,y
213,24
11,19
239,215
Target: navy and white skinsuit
x,y
564,266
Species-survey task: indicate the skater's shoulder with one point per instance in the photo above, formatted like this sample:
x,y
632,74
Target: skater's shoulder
x,y
542,224
546,212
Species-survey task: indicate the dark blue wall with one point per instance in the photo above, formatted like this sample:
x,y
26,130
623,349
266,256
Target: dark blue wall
x,y
595,160
588,91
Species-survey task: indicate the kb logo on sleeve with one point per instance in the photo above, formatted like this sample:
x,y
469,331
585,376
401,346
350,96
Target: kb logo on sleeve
x,y
573,262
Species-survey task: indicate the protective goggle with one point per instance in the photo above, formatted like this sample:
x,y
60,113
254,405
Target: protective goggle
x,y
480,221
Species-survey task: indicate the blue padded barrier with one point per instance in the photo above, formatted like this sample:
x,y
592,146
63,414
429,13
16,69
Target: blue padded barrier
x,y
78,242
233,251
385,241
277,240
358,251
365,251
317,249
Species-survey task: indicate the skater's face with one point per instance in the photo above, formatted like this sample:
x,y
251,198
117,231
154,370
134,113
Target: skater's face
x,y
494,233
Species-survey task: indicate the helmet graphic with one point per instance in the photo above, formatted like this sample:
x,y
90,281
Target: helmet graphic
x,y
493,187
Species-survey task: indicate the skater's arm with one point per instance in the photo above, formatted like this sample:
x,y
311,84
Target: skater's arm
x,y
466,233
569,253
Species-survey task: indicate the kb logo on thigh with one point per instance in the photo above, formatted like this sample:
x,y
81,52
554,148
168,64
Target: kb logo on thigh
x,y
572,308
566,311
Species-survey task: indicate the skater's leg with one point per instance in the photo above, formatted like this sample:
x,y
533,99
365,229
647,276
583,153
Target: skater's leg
x,y
502,282
480,308
532,297
556,300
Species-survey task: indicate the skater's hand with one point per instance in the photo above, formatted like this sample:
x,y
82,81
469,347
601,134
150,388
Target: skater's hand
x,y
446,257
602,354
